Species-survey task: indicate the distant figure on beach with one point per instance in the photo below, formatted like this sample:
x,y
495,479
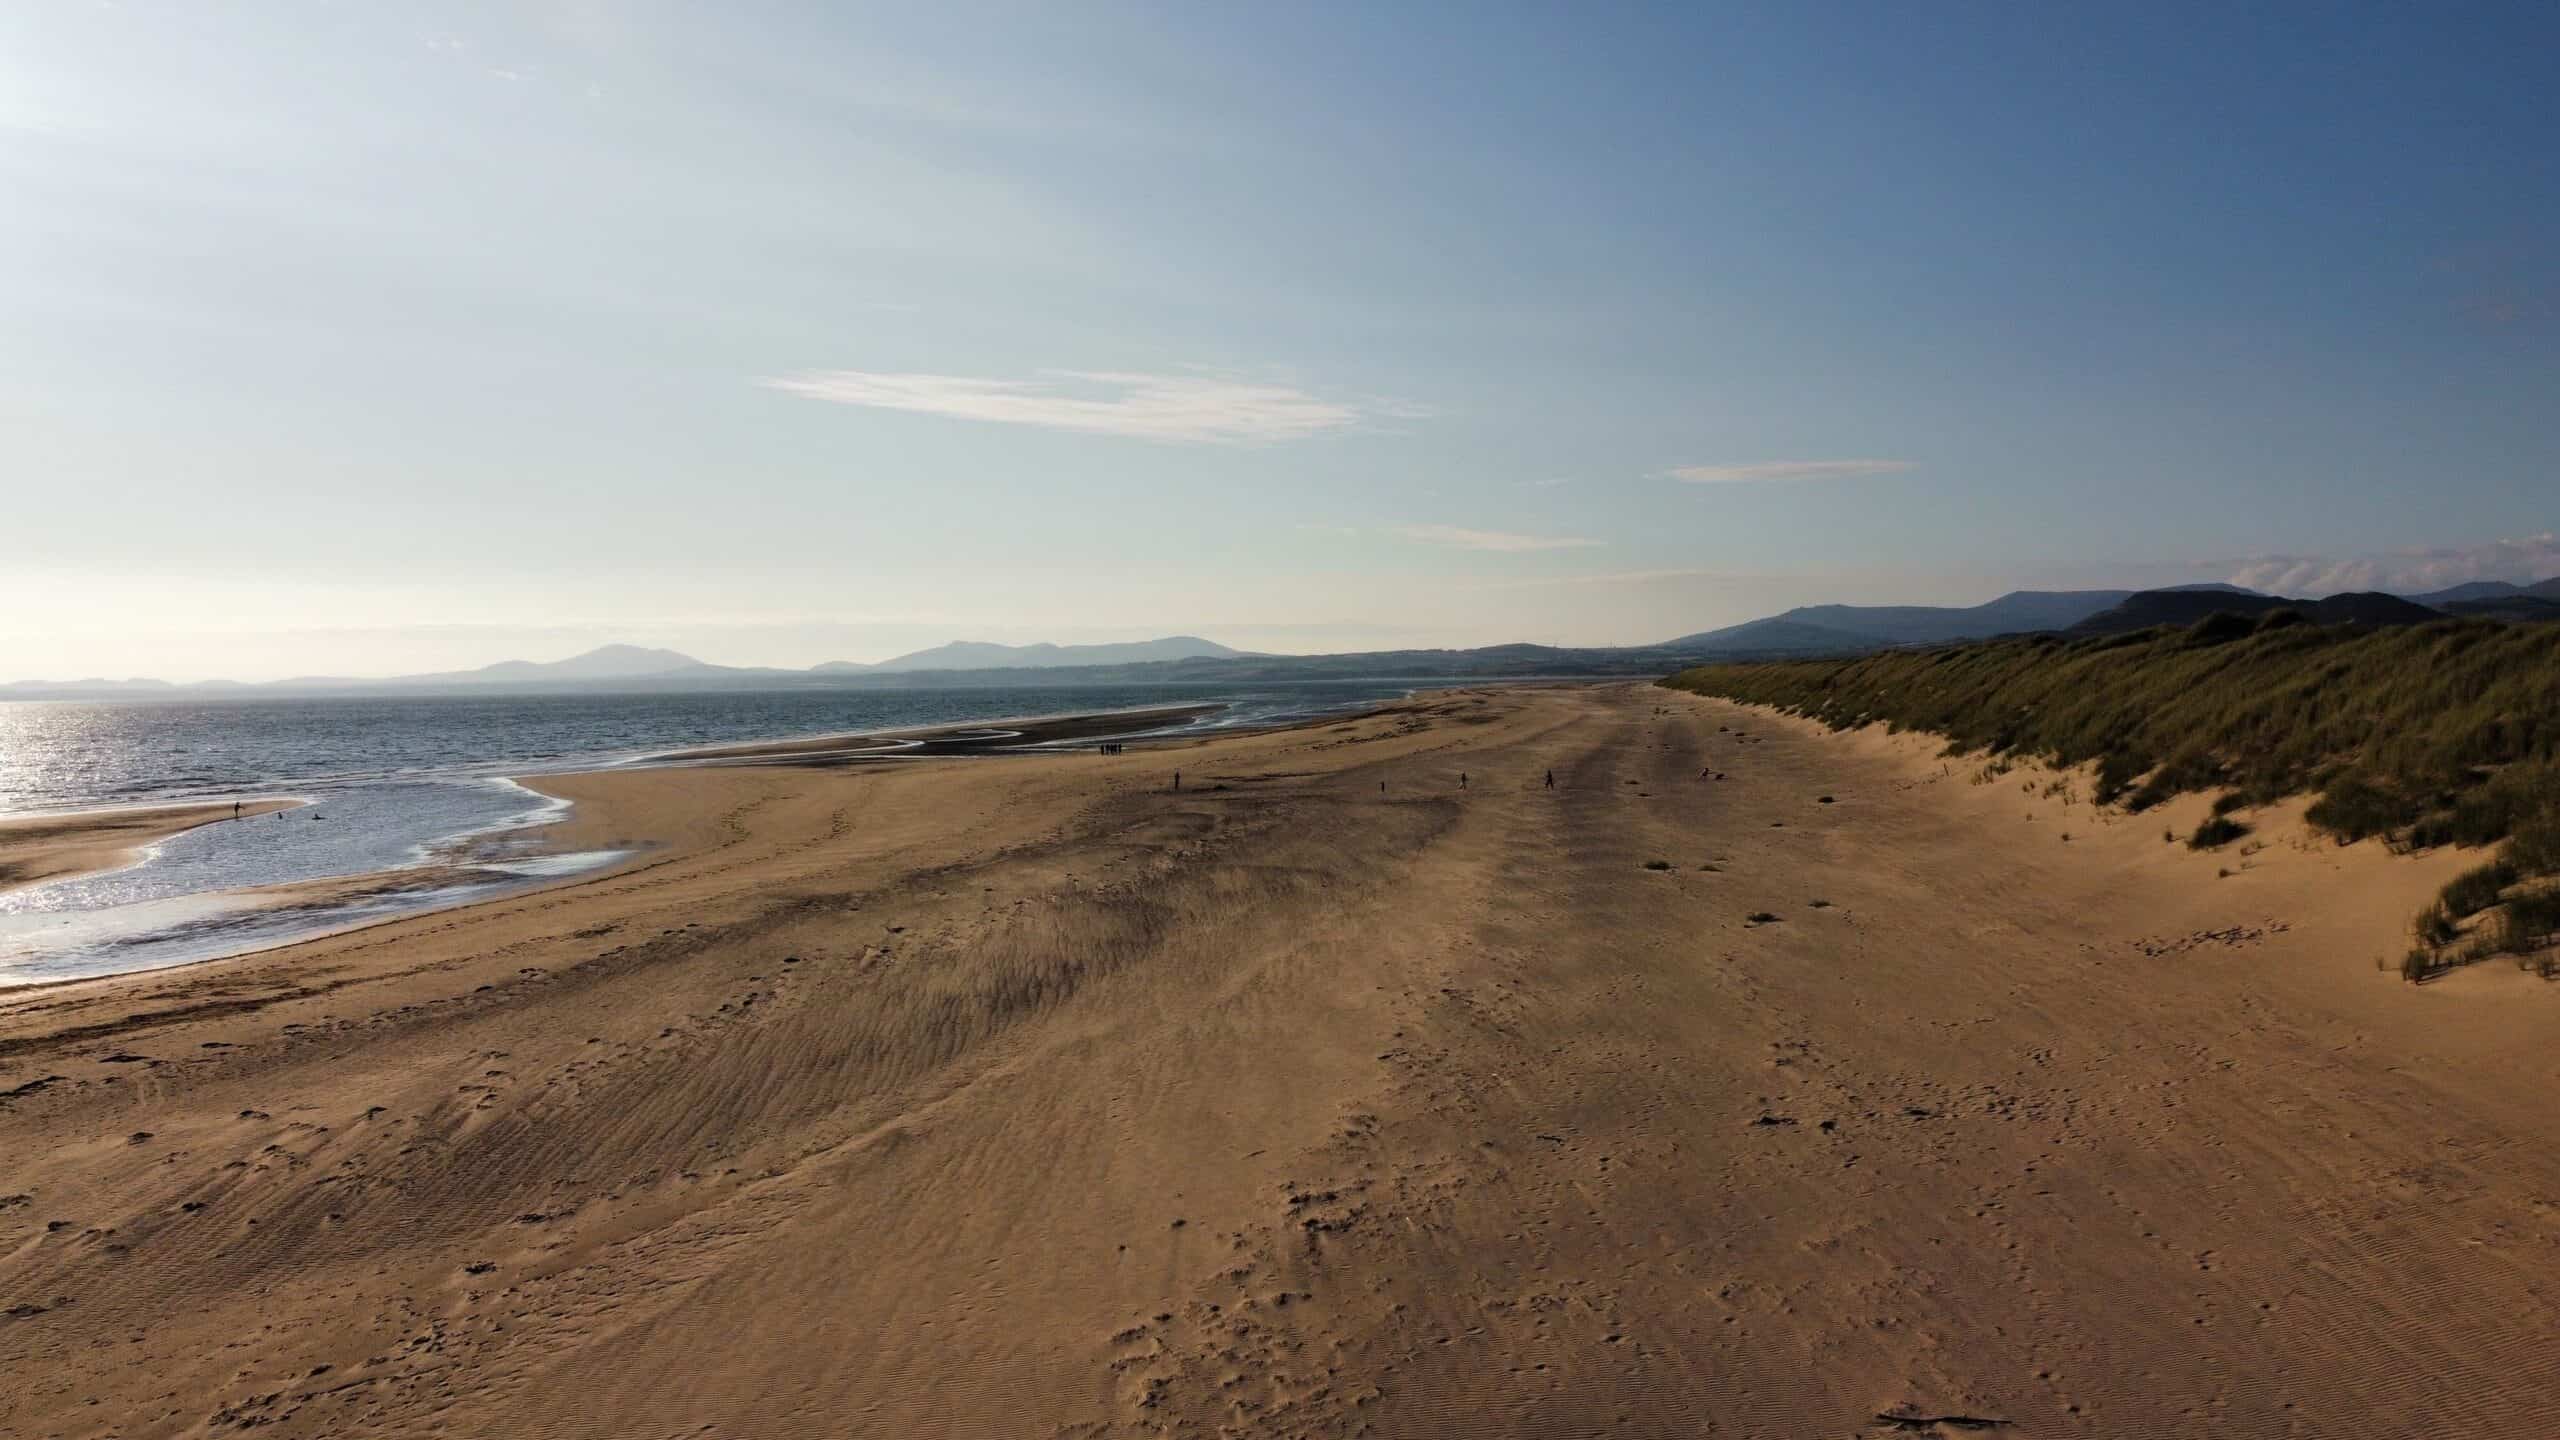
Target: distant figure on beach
x,y
1462,779
1382,787
1551,779
235,809
1177,779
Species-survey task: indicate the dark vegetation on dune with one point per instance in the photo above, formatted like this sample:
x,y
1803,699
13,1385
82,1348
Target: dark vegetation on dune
x,y
2418,735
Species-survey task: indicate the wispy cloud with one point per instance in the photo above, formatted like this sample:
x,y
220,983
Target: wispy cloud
x,y
1779,470
2522,560
1459,537
1609,577
1179,409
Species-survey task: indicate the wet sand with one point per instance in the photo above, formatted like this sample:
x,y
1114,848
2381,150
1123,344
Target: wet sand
x,y
37,848
983,737
969,1098
237,920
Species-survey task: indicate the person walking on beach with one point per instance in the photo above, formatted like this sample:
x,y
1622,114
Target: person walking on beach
x,y
1462,779
1177,779
1551,779
235,809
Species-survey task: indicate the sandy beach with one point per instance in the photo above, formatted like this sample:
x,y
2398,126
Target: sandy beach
x,y
37,848
1751,1081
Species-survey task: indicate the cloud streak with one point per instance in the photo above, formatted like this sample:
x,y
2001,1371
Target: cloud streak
x,y
1168,409
1459,537
1612,577
2522,560
1766,471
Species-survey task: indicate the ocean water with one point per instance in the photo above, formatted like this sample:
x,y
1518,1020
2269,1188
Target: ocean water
x,y
411,784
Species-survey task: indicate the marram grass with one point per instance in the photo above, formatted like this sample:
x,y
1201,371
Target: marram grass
x,y
2420,735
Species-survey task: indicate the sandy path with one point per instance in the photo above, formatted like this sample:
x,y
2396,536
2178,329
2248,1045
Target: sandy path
x,y
1022,1097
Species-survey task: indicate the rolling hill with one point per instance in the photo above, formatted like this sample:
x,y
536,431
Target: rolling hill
x,y
1836,629
2147,608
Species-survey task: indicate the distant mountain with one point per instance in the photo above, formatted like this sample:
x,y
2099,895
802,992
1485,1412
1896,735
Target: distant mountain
x,y
1777,635
2488,590
1805,631
638,667
983,655
2147,608
605,665
609,662
2518,606
92,685
1488,662
1809,629
2468,590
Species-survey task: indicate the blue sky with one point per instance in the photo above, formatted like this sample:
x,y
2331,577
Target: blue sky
x,y
382,337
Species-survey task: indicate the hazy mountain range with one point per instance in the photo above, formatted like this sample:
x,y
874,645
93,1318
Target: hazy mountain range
x,y
1805,630
608,664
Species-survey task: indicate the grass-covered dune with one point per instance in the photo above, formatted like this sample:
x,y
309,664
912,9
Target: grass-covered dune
x,y
2444,733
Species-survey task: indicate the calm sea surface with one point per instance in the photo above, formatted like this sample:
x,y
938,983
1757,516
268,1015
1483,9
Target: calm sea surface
x,y
407,783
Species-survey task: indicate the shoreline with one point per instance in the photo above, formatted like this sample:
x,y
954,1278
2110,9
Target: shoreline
x,y
463,871
1024,733
49,846
1045,723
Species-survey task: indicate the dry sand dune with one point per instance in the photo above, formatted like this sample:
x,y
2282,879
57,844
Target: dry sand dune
x,y
1024,1097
